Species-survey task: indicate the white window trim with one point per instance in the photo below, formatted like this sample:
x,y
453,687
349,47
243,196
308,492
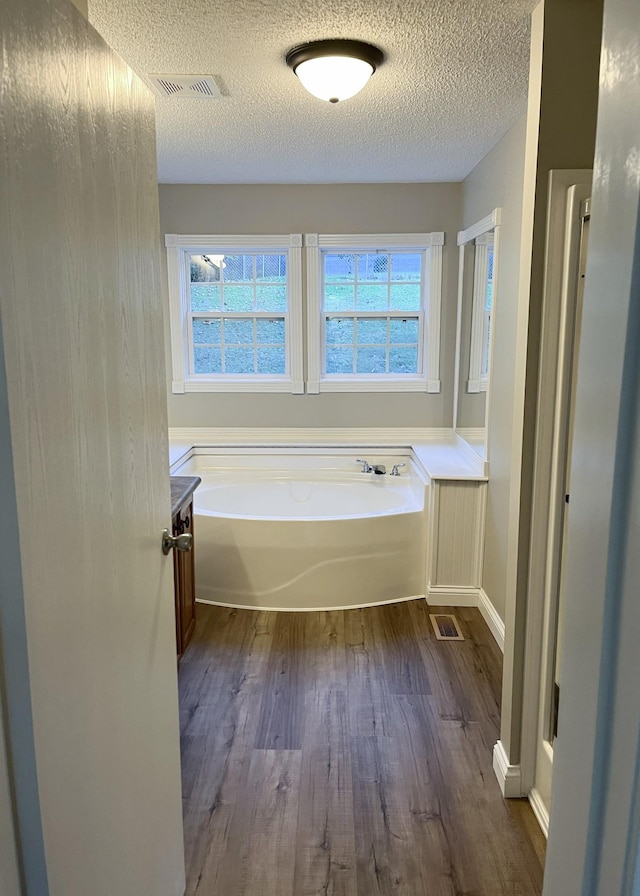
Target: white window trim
x,y
478,381
179,246
429,381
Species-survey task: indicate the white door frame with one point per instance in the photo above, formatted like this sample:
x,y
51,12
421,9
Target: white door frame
x,y
556,345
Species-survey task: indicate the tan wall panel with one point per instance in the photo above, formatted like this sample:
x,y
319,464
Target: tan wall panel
x,y
497,182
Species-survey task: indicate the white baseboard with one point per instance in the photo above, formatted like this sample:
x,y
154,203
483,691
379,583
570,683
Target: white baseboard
x,y
492,618
437,596
377,603
540,811
509,777
445,596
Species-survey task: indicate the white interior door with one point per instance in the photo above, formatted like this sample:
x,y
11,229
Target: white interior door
x,y
576,244
83,349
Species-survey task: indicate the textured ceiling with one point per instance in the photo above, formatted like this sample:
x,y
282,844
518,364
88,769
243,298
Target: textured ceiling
x,y
453,82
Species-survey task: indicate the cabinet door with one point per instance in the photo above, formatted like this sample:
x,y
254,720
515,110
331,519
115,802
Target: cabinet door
x,y
187,612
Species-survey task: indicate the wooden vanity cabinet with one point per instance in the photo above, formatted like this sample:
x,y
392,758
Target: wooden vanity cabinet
x,y
184,579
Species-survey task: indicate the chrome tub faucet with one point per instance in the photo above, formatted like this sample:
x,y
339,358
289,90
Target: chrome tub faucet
x,y
380,469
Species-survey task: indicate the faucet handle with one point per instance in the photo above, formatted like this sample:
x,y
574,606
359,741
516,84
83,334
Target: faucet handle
x,y
396,468
366,468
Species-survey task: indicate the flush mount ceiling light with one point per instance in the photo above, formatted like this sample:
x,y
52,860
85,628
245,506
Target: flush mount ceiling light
x,y
334,70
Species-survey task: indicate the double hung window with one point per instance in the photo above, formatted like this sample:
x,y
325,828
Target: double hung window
x,y
481,314
374,312
236,313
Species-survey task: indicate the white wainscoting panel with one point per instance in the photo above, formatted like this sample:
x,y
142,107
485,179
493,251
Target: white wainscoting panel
x,y
457,534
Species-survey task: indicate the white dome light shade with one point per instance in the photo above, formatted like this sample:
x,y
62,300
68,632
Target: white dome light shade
x,y
334,70
334,78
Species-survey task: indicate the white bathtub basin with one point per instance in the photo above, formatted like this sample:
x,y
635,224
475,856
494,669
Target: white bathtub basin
x,y
303,499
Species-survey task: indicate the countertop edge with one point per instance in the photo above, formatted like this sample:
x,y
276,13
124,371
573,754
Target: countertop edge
x,y
182,487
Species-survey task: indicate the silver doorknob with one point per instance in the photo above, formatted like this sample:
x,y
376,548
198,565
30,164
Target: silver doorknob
x,y
182,542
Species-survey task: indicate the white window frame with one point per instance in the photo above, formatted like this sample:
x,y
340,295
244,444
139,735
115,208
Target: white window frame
x,y
479,354
428,380
179,248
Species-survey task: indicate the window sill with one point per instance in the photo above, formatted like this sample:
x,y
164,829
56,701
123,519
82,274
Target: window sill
x,y
237,385
410,384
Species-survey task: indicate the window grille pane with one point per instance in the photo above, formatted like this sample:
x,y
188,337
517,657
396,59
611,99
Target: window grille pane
x,y
339,267
339,331
272,268
339,298
373,267
373,297
489,297
205,297
205,268
405,296
271,298
339,360
206,332
239,360
238,268
238,312
405,266
270,332
207,359
403,360
372,332
371,360
238,298
238,331
404,330
271,359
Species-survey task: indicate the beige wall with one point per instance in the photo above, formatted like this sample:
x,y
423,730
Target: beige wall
x,y
331,208
497,182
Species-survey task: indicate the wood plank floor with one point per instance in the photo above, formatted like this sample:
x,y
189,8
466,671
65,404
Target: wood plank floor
x,y
347,754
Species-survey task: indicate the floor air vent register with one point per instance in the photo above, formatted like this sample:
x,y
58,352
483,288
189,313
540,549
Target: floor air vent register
x,y
446,627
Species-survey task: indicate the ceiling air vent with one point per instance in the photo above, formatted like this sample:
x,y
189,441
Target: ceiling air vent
x,y
186,86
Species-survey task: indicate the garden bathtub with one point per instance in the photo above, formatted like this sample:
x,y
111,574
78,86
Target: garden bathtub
x,y
306,531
